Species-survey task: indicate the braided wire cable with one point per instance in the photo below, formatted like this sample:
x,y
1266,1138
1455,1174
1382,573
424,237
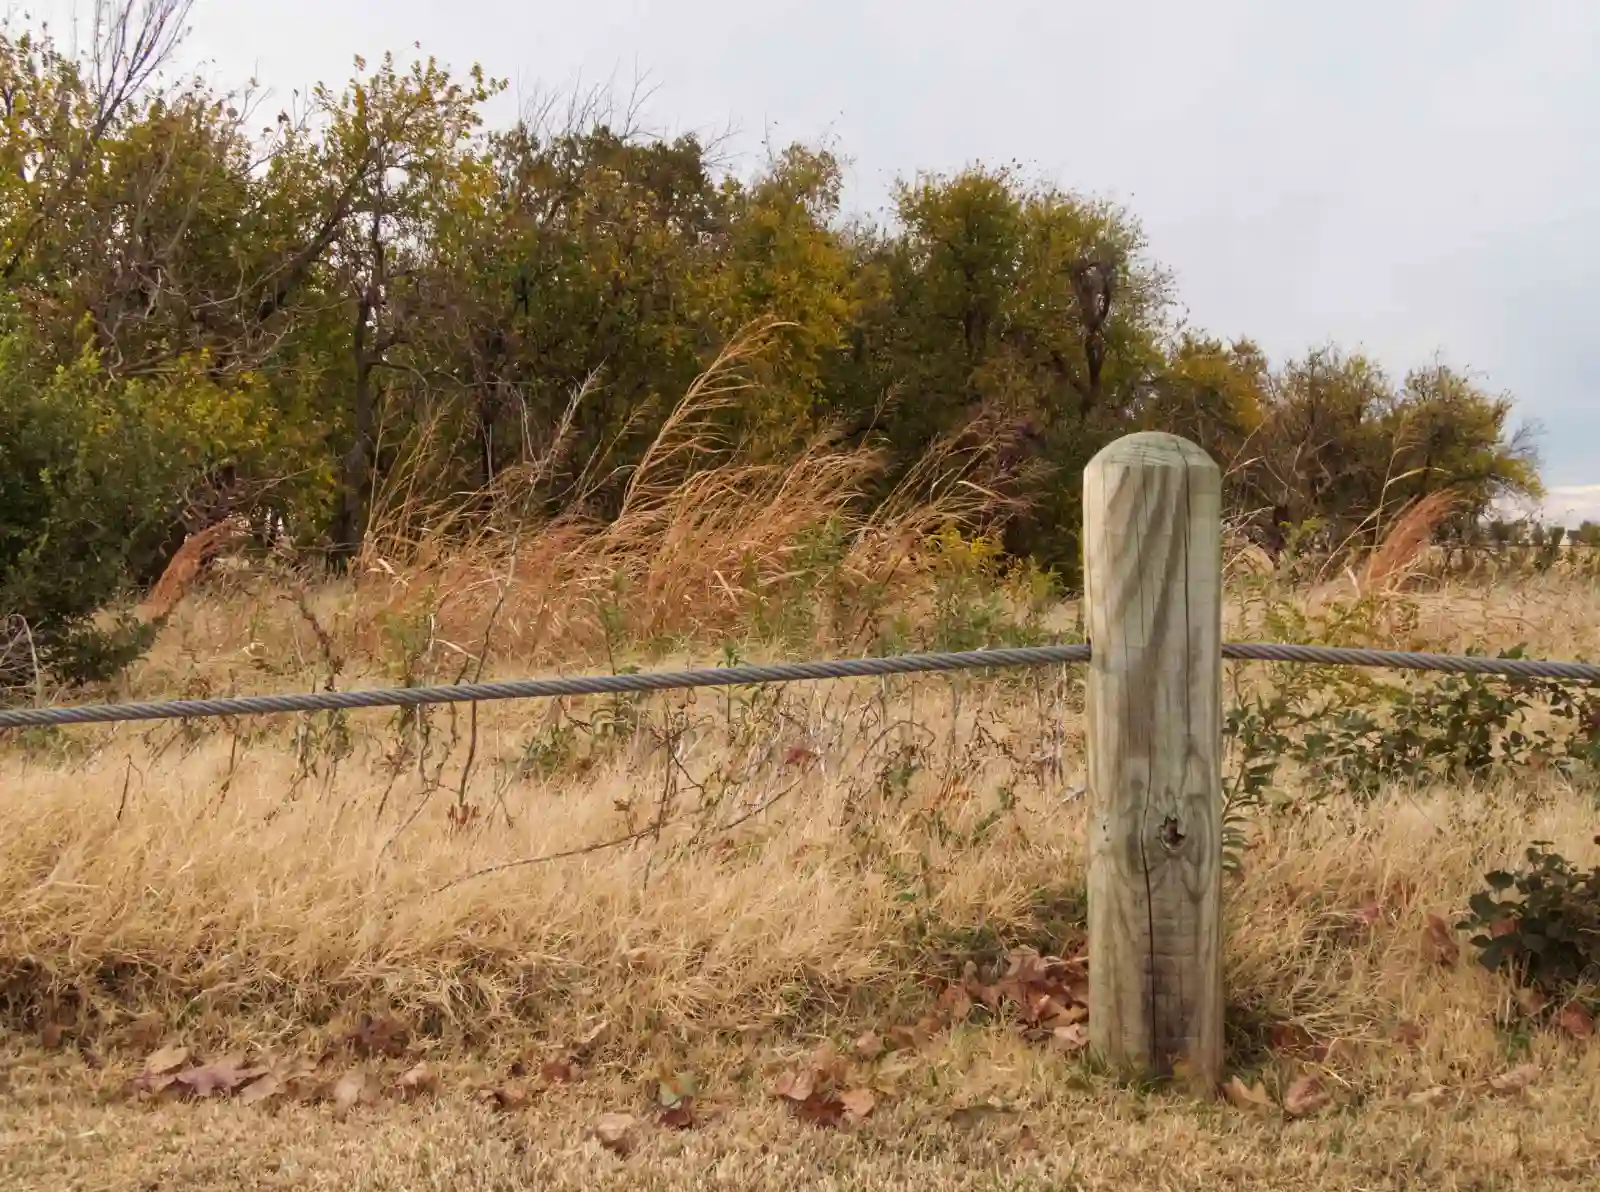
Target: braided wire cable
x,y
763,673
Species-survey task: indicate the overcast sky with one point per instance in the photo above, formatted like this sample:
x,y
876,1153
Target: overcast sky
x,y
1410,178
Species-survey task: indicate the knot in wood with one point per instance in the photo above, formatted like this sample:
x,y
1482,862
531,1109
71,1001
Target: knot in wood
x,y
1171,835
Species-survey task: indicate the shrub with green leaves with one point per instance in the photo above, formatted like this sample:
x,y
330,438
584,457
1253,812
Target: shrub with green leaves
x,y
93,470
1540,924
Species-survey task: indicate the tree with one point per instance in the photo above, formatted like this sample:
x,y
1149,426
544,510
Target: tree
x,y
396,143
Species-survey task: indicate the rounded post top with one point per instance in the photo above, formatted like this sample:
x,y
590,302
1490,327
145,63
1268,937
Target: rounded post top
x,y
1153,449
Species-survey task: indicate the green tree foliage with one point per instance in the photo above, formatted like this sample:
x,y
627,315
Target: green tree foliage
x,y
209,308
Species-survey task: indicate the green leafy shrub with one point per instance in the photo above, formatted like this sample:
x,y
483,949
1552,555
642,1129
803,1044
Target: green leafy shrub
x,y
1548,934
93,470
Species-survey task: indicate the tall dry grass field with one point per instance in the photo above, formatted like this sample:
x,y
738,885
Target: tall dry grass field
x,y
571,909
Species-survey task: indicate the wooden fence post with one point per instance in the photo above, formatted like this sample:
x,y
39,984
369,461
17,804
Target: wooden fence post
x,y
1152,551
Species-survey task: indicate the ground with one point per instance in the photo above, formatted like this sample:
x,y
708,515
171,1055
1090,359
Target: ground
x,y
567,913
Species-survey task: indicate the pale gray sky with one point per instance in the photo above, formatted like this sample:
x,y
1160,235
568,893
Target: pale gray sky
x,y
1410,178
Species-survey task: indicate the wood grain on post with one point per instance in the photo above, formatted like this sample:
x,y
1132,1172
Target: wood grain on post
x,y
1152,545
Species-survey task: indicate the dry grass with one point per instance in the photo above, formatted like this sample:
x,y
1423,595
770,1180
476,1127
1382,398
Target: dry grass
x,y
706,537
726,882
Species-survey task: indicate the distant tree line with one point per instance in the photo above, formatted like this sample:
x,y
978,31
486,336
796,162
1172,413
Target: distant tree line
x,y
207,308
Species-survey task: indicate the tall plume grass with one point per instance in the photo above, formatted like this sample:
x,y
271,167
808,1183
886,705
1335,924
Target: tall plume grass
x,y
704,533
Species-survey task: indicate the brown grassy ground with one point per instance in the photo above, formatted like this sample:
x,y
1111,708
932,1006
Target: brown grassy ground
x,y
752,875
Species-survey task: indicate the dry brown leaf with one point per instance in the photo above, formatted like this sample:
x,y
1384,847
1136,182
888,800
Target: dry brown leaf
x,y
679,1117
820,1109
1515,1080
267,1085
167,1059
858,1103
617,1132
347,1091
1439,942
1246,1096
795,1085
1409,1034
1071,1014
954,1004
146,1031
51,1035
221,1076
1289,1038
560,1071
828,1066
1070,1038
157,1075
1026,1142
1429,1096
798,755
1576,1020
869,1046
378,1036
504,1097
417,1081
907,1038
1304,1096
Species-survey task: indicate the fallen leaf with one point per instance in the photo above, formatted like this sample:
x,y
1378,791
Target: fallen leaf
x,y
907,1038
348,1090
1246,1096
794,1086
157,1073
1576,1020
1409,1034
679,1117
220,1076
505,1097
858,1103
417,1081
1439,942
1289,1038
146,1031
798,755
1071,1038
268,1085
869,1046
820,1109
1026,1142
378,1036
559,1071
617,1132
1429,1096
1073,1013
300,1080
1304,1096
1515,1080
828,1066
50,1035
954,1004
167,1059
